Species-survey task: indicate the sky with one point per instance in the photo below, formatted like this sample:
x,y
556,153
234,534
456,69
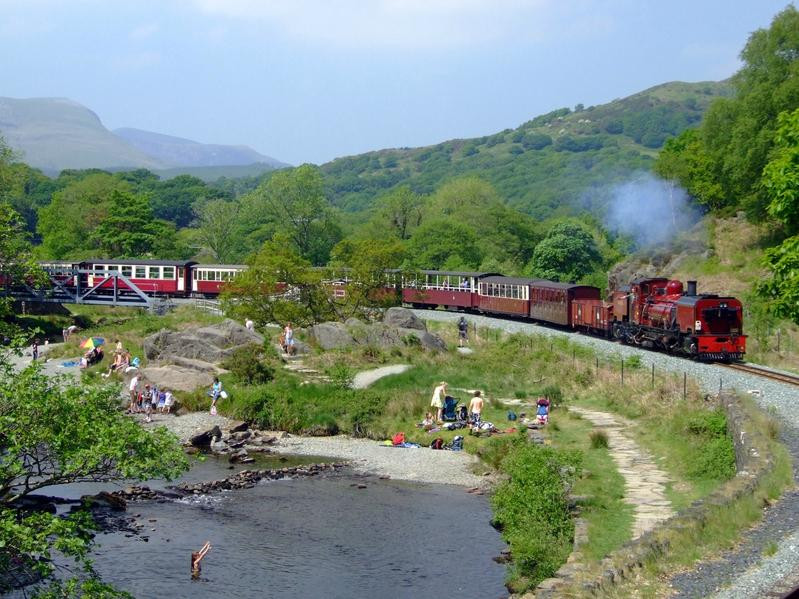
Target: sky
x,y
312,80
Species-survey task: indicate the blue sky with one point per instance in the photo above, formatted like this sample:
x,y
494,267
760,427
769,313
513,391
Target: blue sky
x,y
310,80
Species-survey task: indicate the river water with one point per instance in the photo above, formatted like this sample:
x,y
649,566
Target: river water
x,y
312,537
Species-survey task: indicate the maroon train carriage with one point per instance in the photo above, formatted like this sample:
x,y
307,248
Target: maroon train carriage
x,y
167,277
207,279
591,316
551,301
451,289
504,295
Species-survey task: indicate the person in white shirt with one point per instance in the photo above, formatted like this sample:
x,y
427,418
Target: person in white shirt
x,y
134,393
437,402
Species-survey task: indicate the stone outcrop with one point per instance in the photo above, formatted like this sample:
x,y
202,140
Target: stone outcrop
x,y
207,344
176,378
400,327
403,318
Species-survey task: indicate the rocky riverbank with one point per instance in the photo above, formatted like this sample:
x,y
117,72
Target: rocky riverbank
x,y
364,455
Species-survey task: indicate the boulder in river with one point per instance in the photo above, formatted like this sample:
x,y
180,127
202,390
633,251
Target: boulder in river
x,y
204,439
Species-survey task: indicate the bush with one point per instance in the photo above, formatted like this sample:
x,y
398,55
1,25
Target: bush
x,y
633,362
553,392
716,460
532,512
248,366
341,375
599,439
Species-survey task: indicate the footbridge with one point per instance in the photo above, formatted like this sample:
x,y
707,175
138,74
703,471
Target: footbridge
x,y
70,286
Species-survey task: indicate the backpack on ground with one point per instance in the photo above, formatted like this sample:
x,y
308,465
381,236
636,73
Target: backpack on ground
x,y
511,415
398,439
438,443
457,443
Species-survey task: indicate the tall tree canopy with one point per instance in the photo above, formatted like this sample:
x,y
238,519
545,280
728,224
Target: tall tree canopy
x,y
568,253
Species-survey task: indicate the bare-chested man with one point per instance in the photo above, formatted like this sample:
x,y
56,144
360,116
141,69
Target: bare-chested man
x,y
475,408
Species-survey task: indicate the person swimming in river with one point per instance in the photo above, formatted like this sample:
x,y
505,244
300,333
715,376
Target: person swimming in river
x,y
196,558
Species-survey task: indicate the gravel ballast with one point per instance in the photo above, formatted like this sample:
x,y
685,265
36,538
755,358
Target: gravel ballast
x,y
745,571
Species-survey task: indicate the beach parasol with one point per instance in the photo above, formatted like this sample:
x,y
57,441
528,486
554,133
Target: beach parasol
x,y
92,342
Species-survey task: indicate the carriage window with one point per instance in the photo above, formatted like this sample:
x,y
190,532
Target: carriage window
x,y
141,272
112,268
181,272
169,272
153,272
226,275
126,271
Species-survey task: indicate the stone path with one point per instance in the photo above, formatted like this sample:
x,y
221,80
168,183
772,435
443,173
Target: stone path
x,y
644,482
363,379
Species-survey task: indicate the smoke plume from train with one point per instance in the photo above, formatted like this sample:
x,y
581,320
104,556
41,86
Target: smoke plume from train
x,y
650,210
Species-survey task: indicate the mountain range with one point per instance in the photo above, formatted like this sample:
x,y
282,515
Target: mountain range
x,y
54,134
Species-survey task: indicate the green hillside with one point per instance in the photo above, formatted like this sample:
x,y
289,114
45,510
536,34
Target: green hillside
x,y
551,165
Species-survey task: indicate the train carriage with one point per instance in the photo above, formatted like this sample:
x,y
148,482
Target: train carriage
x,y
591,315
551,301
505,295
207,279
153,277
433,288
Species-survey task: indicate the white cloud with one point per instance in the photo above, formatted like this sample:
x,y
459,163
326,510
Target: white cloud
x,y
143,31
412,23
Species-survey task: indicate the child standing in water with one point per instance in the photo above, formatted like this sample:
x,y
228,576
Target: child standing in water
x,y
196,558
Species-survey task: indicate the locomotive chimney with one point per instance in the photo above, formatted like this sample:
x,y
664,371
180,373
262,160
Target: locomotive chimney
x,y
691,288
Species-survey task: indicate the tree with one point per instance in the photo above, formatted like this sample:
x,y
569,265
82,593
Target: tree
x,y
130,230
781,174
16,260
66,225
568,253
215,228
279,285
444,244
55,433
782,288
295,200
684,160
400,211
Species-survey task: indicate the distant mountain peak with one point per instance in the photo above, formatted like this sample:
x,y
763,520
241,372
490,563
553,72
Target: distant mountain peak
x,y
176,151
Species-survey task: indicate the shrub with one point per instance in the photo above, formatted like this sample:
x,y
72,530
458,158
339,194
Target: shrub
x,y
599,439
520,394
248,365
633,362
553,392
532,512
341,375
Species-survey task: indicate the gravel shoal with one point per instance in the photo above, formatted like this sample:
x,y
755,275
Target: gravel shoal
x,y
368,457
743,571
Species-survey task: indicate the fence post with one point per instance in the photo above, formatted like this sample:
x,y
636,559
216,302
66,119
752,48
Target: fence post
x,y
574,357
653,375
684,385
597,362
721,382
622,371
778,340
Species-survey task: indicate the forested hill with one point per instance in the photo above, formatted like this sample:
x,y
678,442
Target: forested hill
x,y
553,164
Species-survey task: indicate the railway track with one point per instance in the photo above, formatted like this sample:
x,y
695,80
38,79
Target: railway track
x,y
788,379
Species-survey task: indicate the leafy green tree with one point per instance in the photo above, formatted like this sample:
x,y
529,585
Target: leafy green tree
x,y
279,285
295,201
444,244
400,211
684,160
130,230
215,228
16,260
781,174
55,433
568,253
66,225
781,289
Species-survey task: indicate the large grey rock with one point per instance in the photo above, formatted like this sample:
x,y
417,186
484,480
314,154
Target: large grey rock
x,y
176,378
426,340
331,335
208,344
199,365
403,318
378,335
205,439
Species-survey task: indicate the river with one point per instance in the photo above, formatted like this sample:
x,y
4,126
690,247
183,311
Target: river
x,y
312,537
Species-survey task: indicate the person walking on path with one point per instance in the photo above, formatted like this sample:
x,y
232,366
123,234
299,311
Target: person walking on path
x,y
463,332
288,339
476,408
437,402
216,391
134,393
35,350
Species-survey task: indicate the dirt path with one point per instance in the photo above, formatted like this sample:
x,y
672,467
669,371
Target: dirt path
x,y
363,379
644,482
